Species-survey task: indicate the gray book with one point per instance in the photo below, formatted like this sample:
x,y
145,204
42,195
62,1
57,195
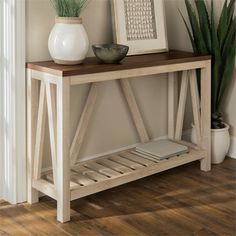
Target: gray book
x,y
162,149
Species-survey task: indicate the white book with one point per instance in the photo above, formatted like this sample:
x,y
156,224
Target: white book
x,y
162,149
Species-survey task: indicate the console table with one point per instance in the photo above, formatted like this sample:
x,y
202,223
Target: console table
x,y
48,96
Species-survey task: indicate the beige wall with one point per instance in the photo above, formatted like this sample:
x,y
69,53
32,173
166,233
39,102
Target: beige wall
x,y
111,126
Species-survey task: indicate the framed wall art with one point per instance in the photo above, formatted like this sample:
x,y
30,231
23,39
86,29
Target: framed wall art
x,y
140,24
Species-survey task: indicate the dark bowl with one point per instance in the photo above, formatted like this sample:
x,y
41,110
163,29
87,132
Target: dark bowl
x,y
110,53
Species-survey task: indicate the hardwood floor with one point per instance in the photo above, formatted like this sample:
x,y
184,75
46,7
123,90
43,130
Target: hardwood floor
x,y
181,201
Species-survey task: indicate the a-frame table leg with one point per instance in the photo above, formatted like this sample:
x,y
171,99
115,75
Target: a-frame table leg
x,y
32,114
206,116
63,150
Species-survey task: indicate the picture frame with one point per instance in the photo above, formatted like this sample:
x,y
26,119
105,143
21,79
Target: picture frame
x,y
140,24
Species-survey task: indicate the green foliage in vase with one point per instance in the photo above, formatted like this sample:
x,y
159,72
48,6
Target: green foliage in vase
x,y
69,8
217,39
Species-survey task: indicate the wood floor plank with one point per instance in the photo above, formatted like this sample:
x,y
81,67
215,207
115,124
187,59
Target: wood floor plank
x,y
183,201
31,223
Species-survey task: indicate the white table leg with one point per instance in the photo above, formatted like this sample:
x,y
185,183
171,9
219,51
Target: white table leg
x,y
32,114
63,150
206,116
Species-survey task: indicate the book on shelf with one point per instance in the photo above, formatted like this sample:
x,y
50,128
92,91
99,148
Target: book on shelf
x,y
161,149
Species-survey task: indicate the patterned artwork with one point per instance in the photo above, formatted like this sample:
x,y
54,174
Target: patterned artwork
x,y
140,19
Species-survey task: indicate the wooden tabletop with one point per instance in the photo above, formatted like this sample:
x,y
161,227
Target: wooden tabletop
x,y
92,65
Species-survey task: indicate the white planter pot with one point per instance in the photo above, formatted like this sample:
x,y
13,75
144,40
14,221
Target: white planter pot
x,y
68,41
220,142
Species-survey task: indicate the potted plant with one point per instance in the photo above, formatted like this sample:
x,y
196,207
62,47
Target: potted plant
x,y
68,41
217,39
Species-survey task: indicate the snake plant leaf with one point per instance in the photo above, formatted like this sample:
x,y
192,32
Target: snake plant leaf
x,y
204,22
216,65
229,24
227,76
222,42
197,34
230,10
227,64
212,12
215,84
223,25
227,49
230,39
216,62
194,46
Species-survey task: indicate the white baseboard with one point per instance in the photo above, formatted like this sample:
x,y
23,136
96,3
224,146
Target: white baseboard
x,y
232,149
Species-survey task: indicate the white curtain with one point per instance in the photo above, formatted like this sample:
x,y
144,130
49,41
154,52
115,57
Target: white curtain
x,y
12,101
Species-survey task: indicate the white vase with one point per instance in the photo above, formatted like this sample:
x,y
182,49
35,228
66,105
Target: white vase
x,y
68,41
220,142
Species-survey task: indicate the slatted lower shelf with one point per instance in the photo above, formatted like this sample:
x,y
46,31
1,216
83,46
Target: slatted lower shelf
x,y
109,171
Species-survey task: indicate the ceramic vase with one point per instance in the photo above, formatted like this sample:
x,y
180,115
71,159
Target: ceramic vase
x,y
220,142
68,41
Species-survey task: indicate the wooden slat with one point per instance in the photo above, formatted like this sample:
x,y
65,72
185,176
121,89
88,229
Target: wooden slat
x,y
81,169
83,123
195,105
81,179
96,176
102,169
137,159
114,165
51,105
90,173
181,106
172,103
126,162
40,133
134,110
76,179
